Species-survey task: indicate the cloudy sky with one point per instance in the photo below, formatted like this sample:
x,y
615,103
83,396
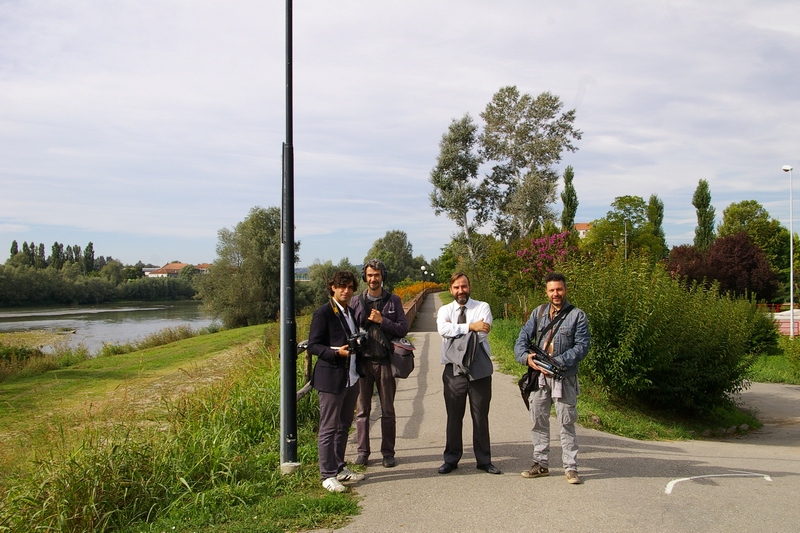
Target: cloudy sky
x,y
146,126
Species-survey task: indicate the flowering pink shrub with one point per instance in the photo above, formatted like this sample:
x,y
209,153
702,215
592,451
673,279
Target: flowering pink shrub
x,y
544,254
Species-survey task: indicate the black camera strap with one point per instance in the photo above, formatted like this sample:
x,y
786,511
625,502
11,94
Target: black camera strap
x,y
554,324
378,304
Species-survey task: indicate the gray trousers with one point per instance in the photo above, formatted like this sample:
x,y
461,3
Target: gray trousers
x,y
336,412
379,374
567,415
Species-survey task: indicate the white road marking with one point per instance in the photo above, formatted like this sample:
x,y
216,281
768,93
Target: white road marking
x,y
672,483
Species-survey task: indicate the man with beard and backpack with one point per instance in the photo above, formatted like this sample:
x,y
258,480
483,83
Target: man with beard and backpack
x,y
381,314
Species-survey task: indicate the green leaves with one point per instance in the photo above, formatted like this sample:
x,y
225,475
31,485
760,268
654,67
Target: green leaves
x,y
656,342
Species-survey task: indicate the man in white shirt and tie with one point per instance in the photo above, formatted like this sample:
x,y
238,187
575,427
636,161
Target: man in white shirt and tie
x,y
471,380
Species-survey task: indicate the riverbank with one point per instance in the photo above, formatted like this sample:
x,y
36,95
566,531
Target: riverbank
x,y
92,326
122,386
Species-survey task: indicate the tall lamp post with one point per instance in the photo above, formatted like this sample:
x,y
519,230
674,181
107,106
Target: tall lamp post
x,y
788,168
625,226
423,268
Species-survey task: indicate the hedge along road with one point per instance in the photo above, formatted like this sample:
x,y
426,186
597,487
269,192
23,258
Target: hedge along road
x,y
745,483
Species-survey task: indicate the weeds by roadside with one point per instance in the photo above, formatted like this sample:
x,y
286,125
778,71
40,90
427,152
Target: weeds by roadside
x,y
779,366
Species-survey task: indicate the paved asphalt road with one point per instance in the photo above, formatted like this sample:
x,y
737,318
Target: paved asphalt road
x,y
738,484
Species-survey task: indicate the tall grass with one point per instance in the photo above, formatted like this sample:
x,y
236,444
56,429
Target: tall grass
x,y
215,455
779,366
19,359
159,338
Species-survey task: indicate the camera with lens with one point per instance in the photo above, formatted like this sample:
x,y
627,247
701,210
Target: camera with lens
x,y
355,342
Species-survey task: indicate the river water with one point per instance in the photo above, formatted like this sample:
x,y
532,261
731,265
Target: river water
x,y
107,323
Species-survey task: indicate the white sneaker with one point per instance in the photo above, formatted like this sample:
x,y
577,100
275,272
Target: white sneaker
x,y
348,475
332,485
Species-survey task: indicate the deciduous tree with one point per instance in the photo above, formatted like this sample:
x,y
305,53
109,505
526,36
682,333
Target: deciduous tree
x,y
242,287
750,217
397,254
457,190
525,137
57,255
741,267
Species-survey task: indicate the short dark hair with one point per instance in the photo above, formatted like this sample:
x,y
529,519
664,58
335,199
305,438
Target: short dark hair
x,y
457,275
555,276
374,264
342,278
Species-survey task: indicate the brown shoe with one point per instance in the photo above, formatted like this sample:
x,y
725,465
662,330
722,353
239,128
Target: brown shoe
x,y
536,470
572,477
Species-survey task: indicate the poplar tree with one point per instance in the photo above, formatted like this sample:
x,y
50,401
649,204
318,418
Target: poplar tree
x,y
569,198
57,255
704,232
655,216
39,259
88,258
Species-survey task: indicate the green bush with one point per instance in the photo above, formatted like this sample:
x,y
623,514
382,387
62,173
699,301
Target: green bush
x,y
654,341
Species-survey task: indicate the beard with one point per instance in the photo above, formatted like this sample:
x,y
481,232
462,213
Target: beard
x,y
461,299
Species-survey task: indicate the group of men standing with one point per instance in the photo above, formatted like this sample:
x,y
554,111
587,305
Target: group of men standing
x,y
346,378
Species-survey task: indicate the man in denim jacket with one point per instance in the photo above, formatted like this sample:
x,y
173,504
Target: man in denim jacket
x,y
567,343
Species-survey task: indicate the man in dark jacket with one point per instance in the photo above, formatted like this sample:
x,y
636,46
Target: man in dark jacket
x,y
335,377
380,313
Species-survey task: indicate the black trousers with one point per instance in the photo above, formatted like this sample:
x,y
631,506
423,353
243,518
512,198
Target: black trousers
x,y
456,391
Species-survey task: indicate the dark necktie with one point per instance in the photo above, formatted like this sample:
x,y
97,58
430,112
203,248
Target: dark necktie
x,y
462,316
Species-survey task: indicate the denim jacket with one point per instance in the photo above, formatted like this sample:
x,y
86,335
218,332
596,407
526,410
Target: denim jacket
x,y
570,343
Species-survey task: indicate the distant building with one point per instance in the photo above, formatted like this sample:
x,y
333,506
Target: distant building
x,y
583,228
167,271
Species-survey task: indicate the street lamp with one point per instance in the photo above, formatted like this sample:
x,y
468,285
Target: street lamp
x,y
423,268
625,225
788,168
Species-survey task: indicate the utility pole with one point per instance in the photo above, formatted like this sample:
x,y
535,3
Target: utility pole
x,y
288,327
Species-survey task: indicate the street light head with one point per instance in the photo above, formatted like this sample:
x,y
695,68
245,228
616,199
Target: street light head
x,y
422,268
787,168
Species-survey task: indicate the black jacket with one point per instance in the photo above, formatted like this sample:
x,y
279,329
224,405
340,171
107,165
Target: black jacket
x,y
330,372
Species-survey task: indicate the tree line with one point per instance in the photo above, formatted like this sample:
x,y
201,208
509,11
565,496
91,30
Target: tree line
x,y
74,275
